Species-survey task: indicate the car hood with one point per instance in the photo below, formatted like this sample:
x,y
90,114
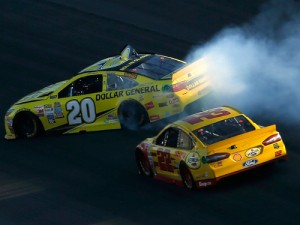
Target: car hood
x,y
41,94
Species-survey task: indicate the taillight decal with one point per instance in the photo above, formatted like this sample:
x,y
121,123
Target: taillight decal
x,y
272,139
216,157
179,86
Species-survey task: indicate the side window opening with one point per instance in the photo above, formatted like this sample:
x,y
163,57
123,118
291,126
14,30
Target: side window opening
x,y
175,138
172,138
82,86
115,82
184,141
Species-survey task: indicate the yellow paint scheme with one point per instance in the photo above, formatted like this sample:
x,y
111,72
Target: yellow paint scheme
x,y
155,96
166,161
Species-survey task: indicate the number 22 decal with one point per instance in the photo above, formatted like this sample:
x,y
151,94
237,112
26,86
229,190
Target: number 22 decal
x,y
164,160
84,111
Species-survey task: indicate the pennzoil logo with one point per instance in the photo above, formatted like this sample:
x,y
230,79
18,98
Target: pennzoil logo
x,y
253,152
193,160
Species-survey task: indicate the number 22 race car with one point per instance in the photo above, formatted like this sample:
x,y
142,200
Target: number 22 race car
x,y
128,90
205,147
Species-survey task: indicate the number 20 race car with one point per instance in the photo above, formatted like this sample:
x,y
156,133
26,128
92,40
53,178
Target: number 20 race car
x,y
205,147
128,90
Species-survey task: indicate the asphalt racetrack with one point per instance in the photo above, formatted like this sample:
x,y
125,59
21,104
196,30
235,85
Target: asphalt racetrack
x,y
91,179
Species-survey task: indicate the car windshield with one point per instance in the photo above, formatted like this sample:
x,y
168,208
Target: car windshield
x,y
156,67
224,129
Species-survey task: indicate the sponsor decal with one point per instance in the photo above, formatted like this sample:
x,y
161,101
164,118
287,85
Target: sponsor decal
x,y
39,110
276,145
130,75
171,95
253,152
210,114
278,153
111,118
51,118
195,82
133,61
141,98
204,184
154,117
142,90
149,105
237,157
173,101
157,96
58,112
218,164
162,104
167,88
204,175
48,110
109,95
135,91
9,123
193,160
180,154
250,163
53,96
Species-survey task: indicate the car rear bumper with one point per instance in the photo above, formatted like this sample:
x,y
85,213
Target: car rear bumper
x,y
209,182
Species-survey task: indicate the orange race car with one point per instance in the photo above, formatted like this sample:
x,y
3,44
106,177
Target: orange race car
x,y
205,147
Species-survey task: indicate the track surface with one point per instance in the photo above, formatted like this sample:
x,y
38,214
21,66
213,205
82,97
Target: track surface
x,y
92,178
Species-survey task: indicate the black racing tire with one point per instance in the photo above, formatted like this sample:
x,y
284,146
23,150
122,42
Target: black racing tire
x,y
187,177
132,115
27,125
143,164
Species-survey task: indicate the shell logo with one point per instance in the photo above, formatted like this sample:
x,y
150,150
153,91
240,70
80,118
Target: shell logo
x,y
253,152
237,157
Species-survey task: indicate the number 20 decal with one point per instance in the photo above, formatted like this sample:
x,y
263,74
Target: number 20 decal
x,y
84,111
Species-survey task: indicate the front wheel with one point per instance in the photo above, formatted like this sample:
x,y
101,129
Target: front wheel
x,y
132,115
26,125
187,177
143,164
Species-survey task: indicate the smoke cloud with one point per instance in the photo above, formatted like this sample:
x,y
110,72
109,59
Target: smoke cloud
x,y
256,67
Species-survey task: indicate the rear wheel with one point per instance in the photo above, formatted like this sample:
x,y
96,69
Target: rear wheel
x,y
132,115
26,125
187,177
143,164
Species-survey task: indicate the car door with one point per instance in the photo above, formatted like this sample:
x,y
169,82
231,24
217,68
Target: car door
x,y
78,100
172,147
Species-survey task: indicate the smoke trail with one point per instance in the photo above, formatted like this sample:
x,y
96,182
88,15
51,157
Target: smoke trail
x,y
256,67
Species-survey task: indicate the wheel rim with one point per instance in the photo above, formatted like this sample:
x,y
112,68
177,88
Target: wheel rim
x,y
27,128
145,165
132,115
187,178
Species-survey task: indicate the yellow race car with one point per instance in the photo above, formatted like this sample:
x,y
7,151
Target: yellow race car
x,y
128,90
205,147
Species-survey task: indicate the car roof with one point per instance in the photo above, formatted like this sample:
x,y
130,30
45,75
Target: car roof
x,y
129,61
204,118
127,56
